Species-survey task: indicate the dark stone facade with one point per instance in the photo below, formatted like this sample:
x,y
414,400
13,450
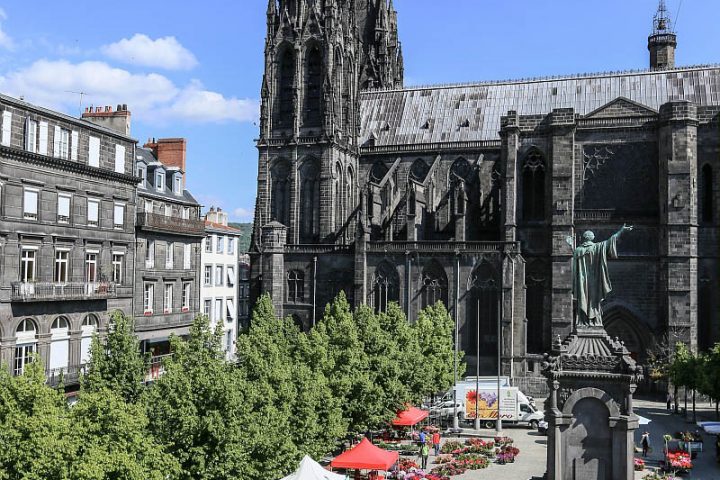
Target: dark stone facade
x,y
466,193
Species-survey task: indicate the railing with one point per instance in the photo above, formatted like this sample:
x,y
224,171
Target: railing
x,y
319,249
431,147
170,224
446,247
156,368
46,291
68,375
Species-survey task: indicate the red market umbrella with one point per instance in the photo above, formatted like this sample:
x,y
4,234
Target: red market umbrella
x,y
365,456
411,416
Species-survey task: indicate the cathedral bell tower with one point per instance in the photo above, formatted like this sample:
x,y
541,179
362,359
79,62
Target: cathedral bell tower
x,y
316,53
663,40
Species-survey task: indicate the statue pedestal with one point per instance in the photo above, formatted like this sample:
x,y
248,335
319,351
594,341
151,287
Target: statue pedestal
x,y
589,412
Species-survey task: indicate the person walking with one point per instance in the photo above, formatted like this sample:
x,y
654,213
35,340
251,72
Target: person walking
x,y
669,400
424,452
436,443
645,442
421,437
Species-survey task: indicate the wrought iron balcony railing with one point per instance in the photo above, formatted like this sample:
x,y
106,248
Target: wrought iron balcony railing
x,y
48,291
164,223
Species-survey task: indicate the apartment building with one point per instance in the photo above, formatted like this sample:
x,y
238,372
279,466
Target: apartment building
x,y
219,291
67,234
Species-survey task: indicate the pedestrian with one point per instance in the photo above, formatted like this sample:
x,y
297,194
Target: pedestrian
x,y
424,452
669,400
645,442
422,437
436,443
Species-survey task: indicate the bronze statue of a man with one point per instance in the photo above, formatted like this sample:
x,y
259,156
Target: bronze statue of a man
x,y
591,279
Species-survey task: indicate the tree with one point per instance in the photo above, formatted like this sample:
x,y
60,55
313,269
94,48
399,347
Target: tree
x,y
34,422
116,363
113,441
685,371
199,410
434,330
710,382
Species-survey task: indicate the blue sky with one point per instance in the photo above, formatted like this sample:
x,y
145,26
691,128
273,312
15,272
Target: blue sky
x,y
193,69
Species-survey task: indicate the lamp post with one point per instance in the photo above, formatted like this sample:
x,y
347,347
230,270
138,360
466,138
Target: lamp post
x,y
498,423
477,369
456,425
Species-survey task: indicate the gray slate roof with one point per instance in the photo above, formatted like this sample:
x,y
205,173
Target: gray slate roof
x,y
147,156
440,113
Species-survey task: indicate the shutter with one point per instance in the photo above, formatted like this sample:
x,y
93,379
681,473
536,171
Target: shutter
x,y
56,142
119,159
30,135
93,207
231,308
94,152
74,146
43,149
186,256
85,350
119,214
230,276
63,206
59,353
6,128
30,204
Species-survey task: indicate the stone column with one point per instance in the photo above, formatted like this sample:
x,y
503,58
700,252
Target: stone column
x,y
562,164
510,137
678,196
274,237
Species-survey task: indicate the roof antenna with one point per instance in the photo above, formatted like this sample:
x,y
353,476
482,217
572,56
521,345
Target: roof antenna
x,y
82,94
677,15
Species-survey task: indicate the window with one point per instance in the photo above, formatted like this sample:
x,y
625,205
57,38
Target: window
x,y
93,214
25,345
168,299
94,152
219,276
142,173
230,276
91,267
61,143
148,298
89,325
148,206
31,131
61,266
59,346
177,184
23,357
119,216
150,254
207,307
220,244
186,213
160,180
75,140
228,341
27,265
385,288
119,159
30,204
168,210
187,256
434,285
186,292
230,307
217,314
43,139
63,208
208,244
296,286
533,187
170,256
6,128
208,275
117,267
231,246
707,199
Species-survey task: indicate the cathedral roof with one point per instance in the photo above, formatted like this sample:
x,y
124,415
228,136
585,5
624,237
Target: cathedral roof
x,y
471,112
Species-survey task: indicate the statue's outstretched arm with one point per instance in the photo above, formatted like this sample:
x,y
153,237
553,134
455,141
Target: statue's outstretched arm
x,y
624,228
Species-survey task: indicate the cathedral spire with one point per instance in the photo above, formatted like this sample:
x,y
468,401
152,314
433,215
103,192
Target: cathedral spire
x,y
663,40
661,21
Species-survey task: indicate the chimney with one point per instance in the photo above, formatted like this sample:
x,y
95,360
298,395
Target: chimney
x,y
171,152
117,120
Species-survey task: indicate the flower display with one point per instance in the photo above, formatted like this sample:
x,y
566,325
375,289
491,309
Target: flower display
x,y
450,446
679,460
406,464
639,464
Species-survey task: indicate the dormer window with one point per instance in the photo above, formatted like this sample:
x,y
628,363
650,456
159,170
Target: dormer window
x,y
142,173
177,184
160,180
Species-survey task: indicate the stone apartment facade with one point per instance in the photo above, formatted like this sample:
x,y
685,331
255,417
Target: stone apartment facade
x,y
219,294
67,235
467,193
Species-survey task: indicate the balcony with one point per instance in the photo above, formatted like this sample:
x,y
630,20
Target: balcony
x,y
165,224
66,375
50,291
156,367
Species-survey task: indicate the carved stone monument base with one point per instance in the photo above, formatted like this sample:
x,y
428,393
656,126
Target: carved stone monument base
x,y
589,412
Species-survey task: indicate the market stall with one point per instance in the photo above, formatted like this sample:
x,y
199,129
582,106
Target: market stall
x,y
365,456
408,418
311,470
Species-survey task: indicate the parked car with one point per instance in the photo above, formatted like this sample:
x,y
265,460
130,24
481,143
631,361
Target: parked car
x,y
542,427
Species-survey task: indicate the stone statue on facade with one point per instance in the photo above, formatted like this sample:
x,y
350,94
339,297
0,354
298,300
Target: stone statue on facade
x,y
591,279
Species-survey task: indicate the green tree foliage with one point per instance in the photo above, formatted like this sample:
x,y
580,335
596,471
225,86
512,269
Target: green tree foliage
x,y
198,408
116,363
710,376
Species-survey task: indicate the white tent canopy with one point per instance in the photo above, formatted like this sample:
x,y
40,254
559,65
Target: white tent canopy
x,y
311,470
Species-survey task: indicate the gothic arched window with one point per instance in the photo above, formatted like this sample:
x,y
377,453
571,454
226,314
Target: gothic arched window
x,y
280,192
350,189
338,90
378,172
296,286
310,201
535,279
459,170
313,87
533,187
338,197
434,285
419,170
706,195
286,86
386,286
480,332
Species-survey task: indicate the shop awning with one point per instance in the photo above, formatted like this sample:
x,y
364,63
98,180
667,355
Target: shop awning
x,y
365,456
411,416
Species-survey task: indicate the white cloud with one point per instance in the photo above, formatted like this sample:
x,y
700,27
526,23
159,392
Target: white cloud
x,y
150,97
164,52
242,215
197,104
5,41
